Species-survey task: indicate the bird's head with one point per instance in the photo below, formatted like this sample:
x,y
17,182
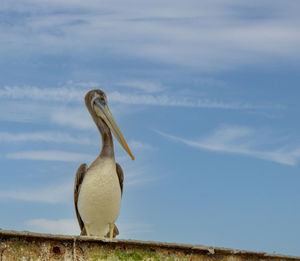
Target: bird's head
x,y
96,102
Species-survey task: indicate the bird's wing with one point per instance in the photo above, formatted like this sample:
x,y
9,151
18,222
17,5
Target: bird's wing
x,y
120,176
121,180
78,181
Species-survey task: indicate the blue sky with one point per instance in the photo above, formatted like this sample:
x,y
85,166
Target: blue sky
x,y
205,92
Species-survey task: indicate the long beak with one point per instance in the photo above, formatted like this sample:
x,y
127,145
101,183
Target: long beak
x,y
106,115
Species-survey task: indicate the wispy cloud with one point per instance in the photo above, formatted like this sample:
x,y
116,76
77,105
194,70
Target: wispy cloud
x,y
71,227
52,194
244,141
138,145
89,85
61,94
60,226
61,137
167,100
138,176
208,35
145,86
58,137
79,119
50,155
54,137
59,114
23,111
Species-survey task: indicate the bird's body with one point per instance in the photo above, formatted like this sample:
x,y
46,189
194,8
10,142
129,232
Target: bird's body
x,y
99,200
98,188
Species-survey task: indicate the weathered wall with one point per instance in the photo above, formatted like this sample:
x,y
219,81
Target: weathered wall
x,y
32,246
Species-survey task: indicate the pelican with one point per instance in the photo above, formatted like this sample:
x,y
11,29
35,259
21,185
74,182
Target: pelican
x,y
98,188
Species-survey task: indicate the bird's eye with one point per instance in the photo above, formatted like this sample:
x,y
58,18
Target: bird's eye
x,y
102,100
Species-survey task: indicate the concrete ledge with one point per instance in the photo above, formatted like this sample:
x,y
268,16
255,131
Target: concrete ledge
x,y
25,245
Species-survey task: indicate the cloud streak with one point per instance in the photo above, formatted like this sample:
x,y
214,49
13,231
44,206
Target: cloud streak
x,y
51,194
138,145
60,226
61,94
60,137
167,100
75,117
51,137
79,119
50,155
71,227
207,35
243,141
139,177
145,86
28,111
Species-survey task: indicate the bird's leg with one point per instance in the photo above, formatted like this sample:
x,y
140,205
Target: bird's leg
x,y
87,229
111,230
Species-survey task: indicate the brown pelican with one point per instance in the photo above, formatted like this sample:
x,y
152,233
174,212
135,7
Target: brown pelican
x,y
98,188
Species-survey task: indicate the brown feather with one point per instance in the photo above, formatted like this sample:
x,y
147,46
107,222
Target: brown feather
x,y
120,176
78,181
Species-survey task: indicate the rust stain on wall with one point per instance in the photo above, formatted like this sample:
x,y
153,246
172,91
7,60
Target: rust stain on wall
x,y
43,247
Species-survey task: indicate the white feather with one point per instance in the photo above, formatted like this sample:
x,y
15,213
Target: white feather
x,y
99,199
